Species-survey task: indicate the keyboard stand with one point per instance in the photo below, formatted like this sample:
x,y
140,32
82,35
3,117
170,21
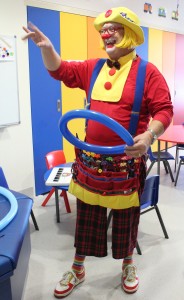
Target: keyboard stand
x,y
57,205
56,190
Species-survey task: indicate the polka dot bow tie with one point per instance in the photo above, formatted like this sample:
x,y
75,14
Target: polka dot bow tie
x,y
115,64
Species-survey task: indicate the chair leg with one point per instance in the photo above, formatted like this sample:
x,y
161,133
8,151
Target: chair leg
x,y
48,197
177,173
138,249
165,166
176,158
67,205
150,167
34,220
161,221
170,172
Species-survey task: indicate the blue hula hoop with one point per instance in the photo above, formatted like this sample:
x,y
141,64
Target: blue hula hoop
x,y
13,209
101,118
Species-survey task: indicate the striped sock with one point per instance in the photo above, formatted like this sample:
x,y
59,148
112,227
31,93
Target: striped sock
x,y
78,263
127,261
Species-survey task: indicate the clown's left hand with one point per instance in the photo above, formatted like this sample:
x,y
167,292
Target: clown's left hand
x,y
141,145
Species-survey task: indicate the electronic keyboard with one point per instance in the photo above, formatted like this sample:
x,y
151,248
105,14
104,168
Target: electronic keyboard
x,y
59,176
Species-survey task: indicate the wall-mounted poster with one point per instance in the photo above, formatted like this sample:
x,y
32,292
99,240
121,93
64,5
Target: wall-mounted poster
x,y
9,99
7,50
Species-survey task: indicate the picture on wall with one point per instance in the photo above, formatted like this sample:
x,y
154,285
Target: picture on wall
x,y
147,8
175,13
7,51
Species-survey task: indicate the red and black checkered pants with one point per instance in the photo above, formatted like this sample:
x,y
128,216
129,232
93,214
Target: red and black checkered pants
x,y
91,228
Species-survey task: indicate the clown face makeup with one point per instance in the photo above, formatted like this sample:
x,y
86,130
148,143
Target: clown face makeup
x,y
111,34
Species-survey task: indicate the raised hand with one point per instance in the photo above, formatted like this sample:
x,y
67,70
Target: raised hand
x,y
51,58
36,36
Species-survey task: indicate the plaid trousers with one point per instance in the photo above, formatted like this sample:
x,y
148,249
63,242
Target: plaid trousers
x,y
91,228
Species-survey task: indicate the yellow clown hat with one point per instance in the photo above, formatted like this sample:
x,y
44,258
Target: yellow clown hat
x,y
123,16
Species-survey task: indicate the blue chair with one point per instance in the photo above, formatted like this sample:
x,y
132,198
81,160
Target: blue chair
x,y
148,202
3,183
180,163
165,156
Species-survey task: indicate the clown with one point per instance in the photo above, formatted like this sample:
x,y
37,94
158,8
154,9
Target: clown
x,y
102,181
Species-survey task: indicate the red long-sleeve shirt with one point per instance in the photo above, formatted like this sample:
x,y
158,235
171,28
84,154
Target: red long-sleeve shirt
x,y
156,102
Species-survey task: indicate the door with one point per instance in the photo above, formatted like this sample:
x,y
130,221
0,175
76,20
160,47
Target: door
x,y
73,34
45,96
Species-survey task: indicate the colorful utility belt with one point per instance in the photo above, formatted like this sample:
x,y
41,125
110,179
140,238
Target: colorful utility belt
x,y
108,163
106,180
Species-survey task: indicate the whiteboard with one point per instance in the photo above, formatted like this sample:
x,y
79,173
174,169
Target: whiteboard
x,y
9,100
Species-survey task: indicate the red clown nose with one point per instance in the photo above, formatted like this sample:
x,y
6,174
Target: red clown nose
x,y
105,36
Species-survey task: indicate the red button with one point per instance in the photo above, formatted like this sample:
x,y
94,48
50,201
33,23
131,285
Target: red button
x,y
112,71
108,85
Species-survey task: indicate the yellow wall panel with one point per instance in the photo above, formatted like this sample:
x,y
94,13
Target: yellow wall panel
x,y
73,33
73,37
168,64
155,47
155,56
93,40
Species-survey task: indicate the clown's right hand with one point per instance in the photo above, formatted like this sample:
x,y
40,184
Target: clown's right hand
x,y
51,58
36,36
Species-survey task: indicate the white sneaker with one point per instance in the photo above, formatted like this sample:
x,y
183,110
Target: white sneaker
x,y
130,280
68,282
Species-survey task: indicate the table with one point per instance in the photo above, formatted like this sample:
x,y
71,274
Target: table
x,y
15,248
173,134
56,188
